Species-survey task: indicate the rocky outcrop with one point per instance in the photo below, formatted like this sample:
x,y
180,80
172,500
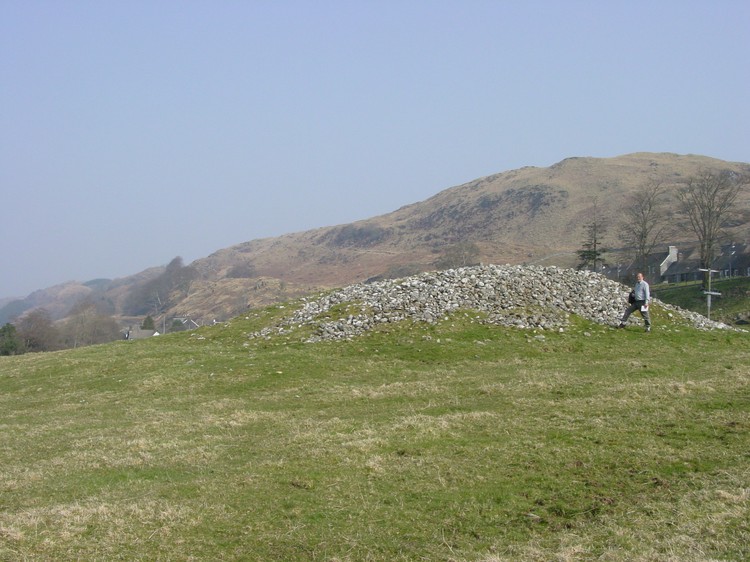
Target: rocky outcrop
x,y
528,297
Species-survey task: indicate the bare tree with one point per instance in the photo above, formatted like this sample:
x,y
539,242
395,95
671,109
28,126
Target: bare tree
x,y
707,201
37,332
87,325
644,222
159,293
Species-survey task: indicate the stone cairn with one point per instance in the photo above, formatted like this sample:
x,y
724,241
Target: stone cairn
x,y
527,297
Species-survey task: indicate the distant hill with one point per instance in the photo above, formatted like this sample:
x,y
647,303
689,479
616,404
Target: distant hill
x,y
59,299
529,215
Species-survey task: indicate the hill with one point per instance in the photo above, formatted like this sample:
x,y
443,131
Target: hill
x,y
442,437
529,215
526,215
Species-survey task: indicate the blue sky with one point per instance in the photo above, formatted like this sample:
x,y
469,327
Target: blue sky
x,y
132,132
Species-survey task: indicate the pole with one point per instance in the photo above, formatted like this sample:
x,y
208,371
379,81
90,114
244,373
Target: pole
x,y
709,293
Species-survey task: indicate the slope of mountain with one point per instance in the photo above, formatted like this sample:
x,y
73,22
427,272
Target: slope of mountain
x,y
529,215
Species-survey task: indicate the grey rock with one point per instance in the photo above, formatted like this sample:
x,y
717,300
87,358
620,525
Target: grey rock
x,y
526,297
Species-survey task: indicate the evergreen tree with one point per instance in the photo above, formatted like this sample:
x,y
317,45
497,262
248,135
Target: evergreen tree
x,y
592,252
10,343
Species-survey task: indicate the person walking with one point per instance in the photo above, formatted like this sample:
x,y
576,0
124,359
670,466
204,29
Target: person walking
x,y
642,294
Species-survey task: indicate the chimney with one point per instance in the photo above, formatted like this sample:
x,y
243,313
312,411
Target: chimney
x,y
670,259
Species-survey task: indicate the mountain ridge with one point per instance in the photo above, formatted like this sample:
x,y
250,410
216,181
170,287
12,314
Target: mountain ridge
x,y
538,211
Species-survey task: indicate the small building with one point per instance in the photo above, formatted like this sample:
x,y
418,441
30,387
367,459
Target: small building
x,y
655,268
685,268
679,266
138,333
733,260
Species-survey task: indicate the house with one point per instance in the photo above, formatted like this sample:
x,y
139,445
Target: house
x,y
685,268
675,266
655,268
733,260
138,333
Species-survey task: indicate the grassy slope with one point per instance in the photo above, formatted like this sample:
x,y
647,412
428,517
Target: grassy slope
x,y
733,302
452,442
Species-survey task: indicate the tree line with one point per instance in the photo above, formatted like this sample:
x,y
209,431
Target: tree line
x,y
705,202
37,331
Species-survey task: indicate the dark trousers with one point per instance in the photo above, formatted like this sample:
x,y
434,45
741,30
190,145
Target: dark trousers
x,y
632,308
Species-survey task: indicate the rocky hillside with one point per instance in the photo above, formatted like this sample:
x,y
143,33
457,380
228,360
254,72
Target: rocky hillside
x,y
526,216
533,215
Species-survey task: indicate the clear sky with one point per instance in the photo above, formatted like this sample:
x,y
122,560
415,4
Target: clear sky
x,y
135,131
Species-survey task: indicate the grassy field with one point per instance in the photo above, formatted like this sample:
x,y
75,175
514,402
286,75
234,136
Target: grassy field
x,y
458,441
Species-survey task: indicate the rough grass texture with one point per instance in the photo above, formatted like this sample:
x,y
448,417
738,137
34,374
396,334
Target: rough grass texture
x,y
457,441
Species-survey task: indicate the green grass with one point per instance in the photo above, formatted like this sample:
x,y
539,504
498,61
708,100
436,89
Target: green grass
x,y
733,302
458,441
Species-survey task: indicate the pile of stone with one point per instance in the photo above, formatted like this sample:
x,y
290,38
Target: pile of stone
x,y
530,297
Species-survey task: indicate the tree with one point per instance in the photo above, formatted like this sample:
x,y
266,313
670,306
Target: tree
x,y
88,325
10,343
592,252
178,276
159,293
148,323
707,201
37,332
644,222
